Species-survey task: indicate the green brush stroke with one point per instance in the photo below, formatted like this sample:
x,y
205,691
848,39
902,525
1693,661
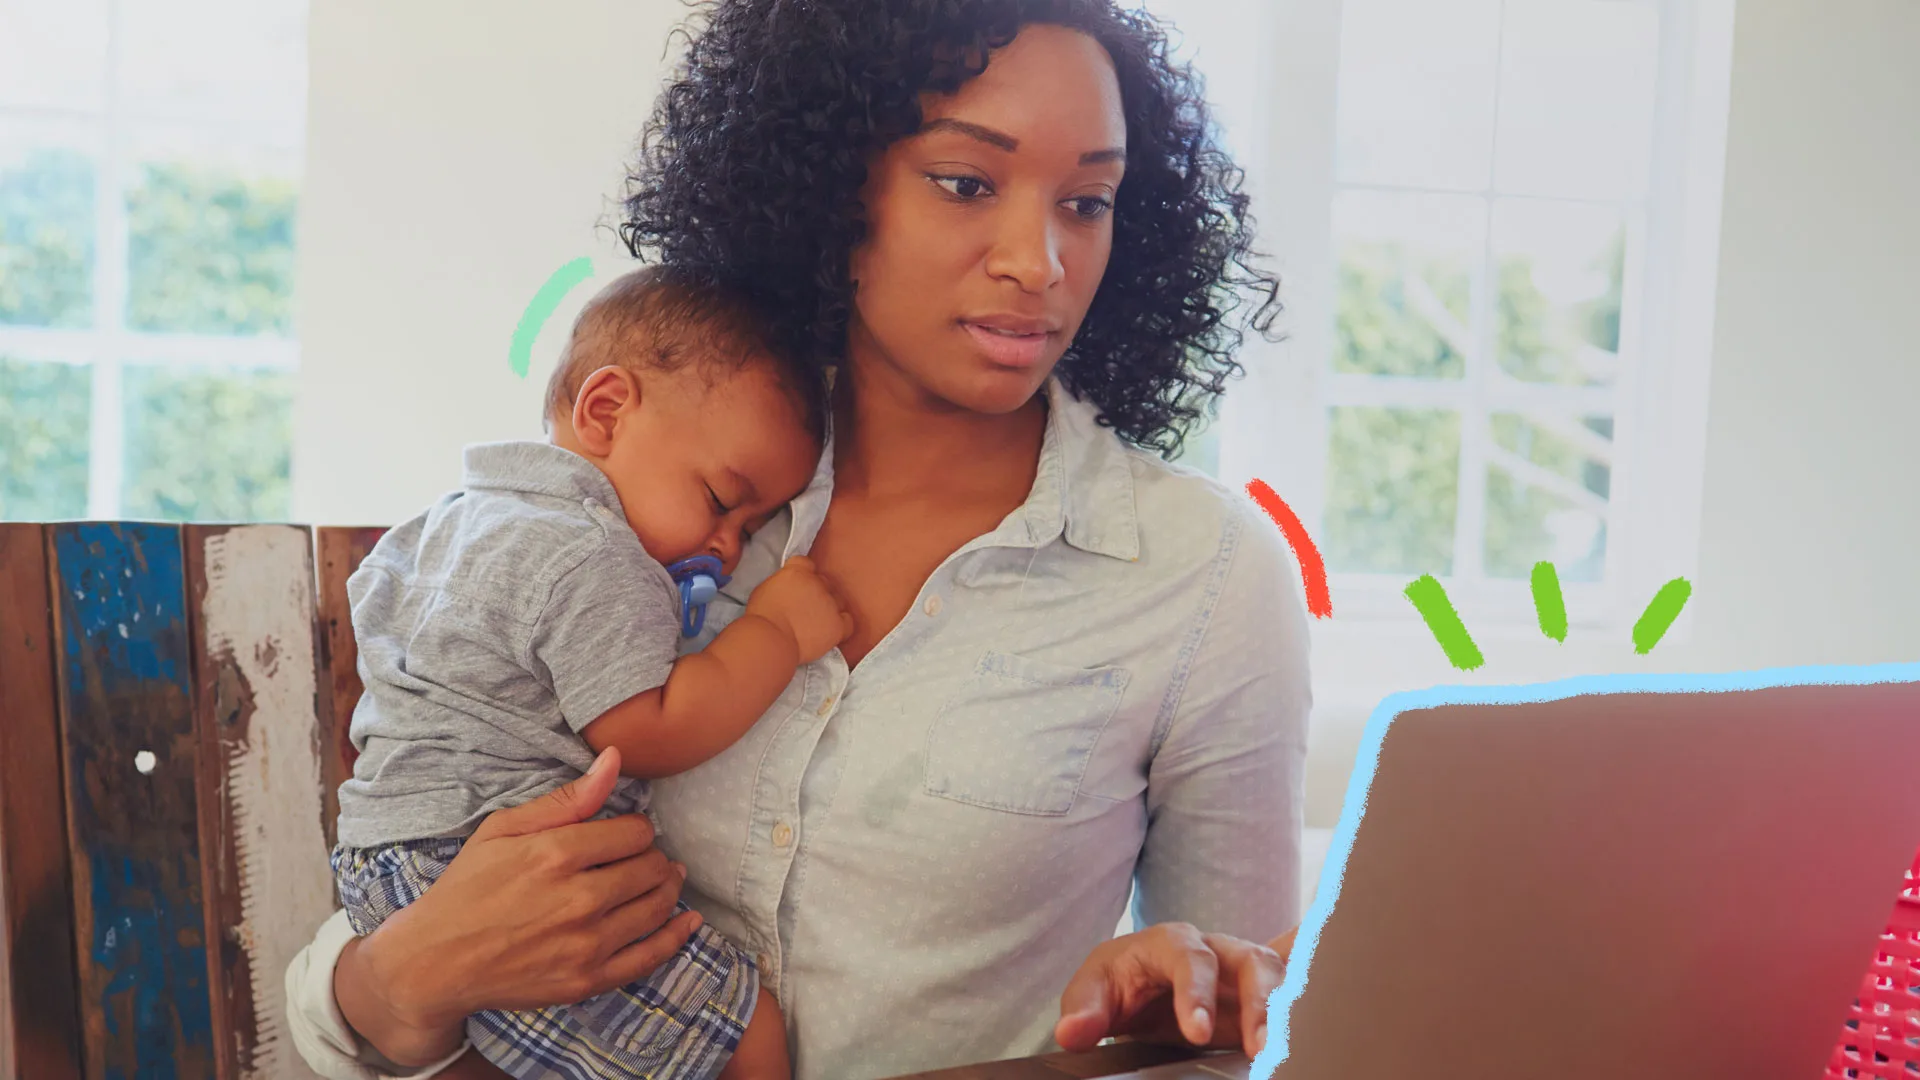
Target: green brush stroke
x,y
1661,611
520,356
1430,600
1548,603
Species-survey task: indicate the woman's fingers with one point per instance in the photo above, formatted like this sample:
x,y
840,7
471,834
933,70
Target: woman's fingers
x,y
1171,983
1193,971
619,883
1087,1005
639,959
1254,971
646,913
597,843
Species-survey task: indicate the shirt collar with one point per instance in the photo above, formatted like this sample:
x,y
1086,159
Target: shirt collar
x,y
536,468
1082,491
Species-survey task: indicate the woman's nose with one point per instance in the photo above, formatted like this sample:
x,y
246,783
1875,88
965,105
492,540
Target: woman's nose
x,y
1027,250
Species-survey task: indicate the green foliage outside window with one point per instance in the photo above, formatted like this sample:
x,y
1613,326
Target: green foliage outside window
x,y
46,241
208,253
43,440
214,444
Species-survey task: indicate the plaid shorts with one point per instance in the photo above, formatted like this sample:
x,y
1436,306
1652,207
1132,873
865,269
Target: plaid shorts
x,y
684,1020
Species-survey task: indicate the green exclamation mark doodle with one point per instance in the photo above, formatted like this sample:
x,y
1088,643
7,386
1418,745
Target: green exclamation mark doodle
x,y
1661,611
1430,600
1548,604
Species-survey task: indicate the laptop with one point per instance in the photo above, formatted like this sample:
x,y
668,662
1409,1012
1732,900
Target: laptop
x,y
1682,880
1604,885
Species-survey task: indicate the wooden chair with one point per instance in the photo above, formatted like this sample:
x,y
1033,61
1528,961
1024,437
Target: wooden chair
x,y
173,717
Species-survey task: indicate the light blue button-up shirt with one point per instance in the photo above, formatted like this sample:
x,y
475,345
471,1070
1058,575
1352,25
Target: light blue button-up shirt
x,y
1109,690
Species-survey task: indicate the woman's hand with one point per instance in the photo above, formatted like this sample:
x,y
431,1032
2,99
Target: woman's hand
x,y
540,907
1172,983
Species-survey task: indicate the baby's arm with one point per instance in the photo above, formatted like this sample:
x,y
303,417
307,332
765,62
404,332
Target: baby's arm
x,y
713,696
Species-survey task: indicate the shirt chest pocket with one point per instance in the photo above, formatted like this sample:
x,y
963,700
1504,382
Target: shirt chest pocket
x,y
1019,732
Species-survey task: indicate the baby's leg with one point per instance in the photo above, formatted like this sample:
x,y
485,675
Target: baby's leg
x,y
681,1022
763,1049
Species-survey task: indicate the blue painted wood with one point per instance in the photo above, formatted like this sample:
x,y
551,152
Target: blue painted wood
x,y
124,670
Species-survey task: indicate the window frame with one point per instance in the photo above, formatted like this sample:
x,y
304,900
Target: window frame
x,y
1275,423
108,346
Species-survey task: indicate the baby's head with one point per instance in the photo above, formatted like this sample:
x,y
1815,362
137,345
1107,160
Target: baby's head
x,y
676,391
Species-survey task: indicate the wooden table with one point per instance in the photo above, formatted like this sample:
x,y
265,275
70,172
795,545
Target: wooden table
x,y
1120,1061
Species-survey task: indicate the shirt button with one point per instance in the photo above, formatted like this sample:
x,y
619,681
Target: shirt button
x,y
782,834
934,604
765,962
825,706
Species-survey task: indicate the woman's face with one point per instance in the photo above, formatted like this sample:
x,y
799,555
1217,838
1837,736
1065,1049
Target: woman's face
x,y
989,230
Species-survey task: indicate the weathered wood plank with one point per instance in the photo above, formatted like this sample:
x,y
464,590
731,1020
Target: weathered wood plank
x,y
338,553
130,757
39,1002
256,699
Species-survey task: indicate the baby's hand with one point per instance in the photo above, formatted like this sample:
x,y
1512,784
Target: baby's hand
x,y
798,600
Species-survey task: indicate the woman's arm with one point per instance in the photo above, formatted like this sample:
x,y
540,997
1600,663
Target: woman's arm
x,y
1224,813
540,907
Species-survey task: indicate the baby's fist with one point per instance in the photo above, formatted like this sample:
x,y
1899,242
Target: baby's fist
x,y
798,600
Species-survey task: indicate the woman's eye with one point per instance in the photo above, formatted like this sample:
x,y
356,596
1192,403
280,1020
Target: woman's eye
x,y
964,187
1091,207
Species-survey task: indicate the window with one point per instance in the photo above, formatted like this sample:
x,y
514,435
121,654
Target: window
x,y
150,155
1496,221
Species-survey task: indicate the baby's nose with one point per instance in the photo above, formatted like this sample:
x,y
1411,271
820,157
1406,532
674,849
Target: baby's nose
x,y
727,550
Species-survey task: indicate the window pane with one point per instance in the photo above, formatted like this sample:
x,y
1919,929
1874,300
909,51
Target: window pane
x,y
1562,277
1417,82
210,251
46,233
53,54
1392,486
239,62
207,445
43,440
1577,85
1547,495
1406,282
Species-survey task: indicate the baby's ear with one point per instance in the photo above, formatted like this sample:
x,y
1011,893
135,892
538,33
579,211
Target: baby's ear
x,y
604,397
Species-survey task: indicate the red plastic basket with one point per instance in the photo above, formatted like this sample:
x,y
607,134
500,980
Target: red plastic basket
x,y
1881,1040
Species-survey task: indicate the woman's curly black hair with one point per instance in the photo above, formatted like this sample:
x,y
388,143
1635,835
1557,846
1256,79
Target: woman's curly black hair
x,y
751,167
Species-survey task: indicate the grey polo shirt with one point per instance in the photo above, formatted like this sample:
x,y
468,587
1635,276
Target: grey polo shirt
x,y
492,628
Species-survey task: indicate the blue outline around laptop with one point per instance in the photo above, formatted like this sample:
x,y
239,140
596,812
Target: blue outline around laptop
x,y
1300,961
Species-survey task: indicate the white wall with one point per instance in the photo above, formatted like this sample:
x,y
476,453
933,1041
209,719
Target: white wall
x,y
1810,543
461,151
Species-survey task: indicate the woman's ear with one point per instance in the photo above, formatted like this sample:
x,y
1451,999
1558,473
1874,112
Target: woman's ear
x,y
607,395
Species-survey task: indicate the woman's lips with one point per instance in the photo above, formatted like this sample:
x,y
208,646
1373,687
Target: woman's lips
x,y
1007,349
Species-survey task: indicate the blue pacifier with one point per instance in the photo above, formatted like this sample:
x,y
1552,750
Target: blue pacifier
x,y
700,578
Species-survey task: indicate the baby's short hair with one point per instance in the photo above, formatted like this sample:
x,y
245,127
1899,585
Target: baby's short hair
x,y
656,319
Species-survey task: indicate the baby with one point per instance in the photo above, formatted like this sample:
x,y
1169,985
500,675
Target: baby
x,y
520,626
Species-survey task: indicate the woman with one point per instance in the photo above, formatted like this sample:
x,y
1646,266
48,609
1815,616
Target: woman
x,y
1004,225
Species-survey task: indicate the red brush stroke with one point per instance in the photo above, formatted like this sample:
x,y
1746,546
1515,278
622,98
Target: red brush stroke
x,y
1313,569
